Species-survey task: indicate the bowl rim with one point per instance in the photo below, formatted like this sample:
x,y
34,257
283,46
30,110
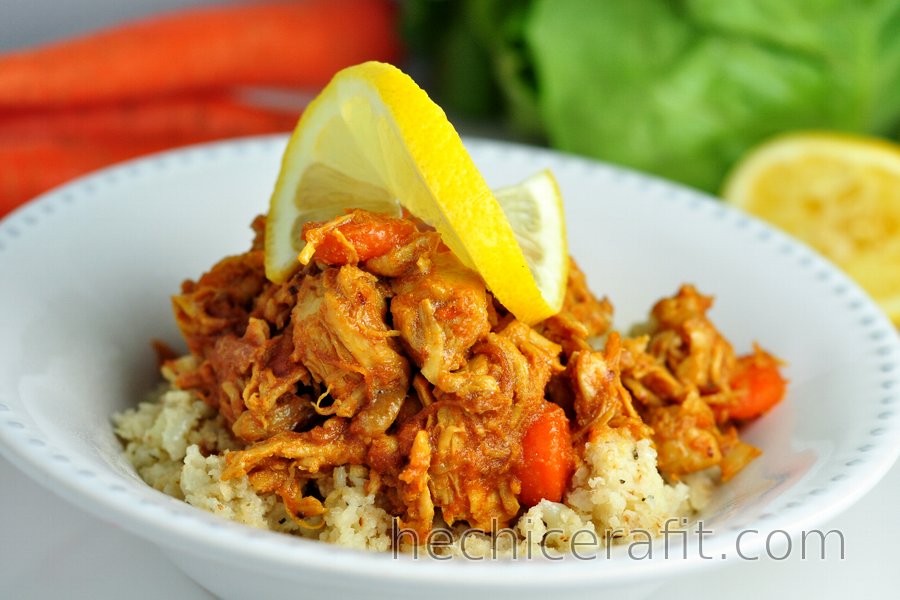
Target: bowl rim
x,y
172,523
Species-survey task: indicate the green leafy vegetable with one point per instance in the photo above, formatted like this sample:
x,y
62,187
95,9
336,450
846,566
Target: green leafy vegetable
x,y
683,88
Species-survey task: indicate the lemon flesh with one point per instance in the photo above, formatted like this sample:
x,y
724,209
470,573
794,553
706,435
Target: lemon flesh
x,y
838,193
535,212
373,139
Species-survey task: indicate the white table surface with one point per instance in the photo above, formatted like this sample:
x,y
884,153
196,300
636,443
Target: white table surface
x,y
50,549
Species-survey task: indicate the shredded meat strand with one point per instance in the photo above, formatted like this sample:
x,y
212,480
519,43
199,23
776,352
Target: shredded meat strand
x,y
384,350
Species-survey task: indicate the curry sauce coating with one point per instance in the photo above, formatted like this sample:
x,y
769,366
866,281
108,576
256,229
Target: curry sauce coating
x,y
404,362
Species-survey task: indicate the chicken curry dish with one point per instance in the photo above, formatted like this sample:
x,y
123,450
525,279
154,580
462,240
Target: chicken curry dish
x,y
382,389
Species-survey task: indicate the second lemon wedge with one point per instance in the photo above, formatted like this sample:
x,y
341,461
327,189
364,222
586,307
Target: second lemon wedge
x,y
840,194
373,139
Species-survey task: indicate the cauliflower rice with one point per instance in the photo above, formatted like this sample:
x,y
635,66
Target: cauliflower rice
x,y
178,445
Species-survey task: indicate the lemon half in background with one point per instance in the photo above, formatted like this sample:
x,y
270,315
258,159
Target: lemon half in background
x,y
838,193
373,139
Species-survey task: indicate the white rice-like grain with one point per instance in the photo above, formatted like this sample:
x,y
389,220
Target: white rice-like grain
x,y
177,444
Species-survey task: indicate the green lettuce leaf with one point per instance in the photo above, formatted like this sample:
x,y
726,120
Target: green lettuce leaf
x,y
680,88
683,89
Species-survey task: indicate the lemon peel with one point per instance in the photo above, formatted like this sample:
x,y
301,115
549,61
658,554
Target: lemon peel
x,y
373,139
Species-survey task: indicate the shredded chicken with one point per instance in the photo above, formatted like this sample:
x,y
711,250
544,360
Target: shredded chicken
x,y
476,428
583,317
440,310
342,337
600,399
689,344
388,352
676,374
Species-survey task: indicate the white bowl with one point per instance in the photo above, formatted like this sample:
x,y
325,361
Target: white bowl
x,y
87,271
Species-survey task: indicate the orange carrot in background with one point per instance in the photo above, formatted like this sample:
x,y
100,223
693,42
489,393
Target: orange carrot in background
x,y
41,151
80,104
296,44
34,166
176,120
547,460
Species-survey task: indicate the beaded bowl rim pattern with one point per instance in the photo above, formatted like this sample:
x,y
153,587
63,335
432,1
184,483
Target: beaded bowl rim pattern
x,y
172,523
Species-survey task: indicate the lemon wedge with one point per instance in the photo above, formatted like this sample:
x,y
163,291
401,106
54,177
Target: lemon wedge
x,y
373,139
838,193
534,210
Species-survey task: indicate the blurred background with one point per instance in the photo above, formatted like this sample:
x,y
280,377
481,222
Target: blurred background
x,y
29,23
689,90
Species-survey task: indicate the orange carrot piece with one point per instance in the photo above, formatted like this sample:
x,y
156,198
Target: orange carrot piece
x,y
298,44
759,385
180,119
547,460
362,237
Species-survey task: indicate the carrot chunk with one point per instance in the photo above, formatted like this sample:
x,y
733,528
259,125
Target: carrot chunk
x,y
547,462
759,386
363,236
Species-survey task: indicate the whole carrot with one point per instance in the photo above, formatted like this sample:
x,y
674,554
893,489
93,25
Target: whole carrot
x,y
34,166
301,43
177,120
34,163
